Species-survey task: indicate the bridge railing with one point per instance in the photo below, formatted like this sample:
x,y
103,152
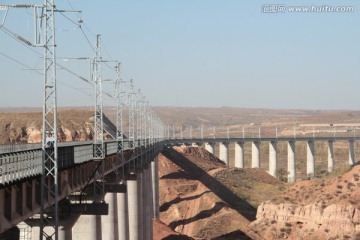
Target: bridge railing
x,y
260,131
26,159
20,165
10,148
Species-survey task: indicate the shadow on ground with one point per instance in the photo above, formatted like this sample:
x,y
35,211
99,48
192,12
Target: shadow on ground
x,y
201,215
177,175
232,236
224,193
177,200
177,237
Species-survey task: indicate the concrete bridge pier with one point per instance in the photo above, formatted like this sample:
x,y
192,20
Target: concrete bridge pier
x,y
272,158
310,159
146,217
209,146
351,153
224,152
115,223
330,156
65,231
122,213
140,181
155,187
147,206
142,200
255,154
87,226
133,208
291,162
110,222
239,154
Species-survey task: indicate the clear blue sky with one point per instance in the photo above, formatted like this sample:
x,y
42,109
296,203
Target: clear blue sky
x,y
207,53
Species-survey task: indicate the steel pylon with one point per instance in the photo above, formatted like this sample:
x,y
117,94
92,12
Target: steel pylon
x,y
49,177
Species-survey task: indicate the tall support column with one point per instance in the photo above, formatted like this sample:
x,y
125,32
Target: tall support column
x,y
147,218
66,226
88,227
140,176
224,152
310,159
133,209
239,154
150,198
255,155
122,213
209,147
155,187
65,233
109,222
272,158
291,162
351,153
330,156
145,202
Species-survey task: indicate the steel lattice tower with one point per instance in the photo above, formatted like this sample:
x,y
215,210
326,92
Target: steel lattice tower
x,y
49,177
98,120
119,111
131,103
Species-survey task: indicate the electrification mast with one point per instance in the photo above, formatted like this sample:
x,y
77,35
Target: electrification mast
x,y
98,120
44,23
131,102
119,112
49,177
98,138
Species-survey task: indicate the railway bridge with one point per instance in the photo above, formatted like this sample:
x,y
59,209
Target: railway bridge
x,y
116,197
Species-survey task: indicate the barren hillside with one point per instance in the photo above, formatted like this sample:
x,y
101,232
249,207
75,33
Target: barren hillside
x,y
317,209
202,198
23,124
73,125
